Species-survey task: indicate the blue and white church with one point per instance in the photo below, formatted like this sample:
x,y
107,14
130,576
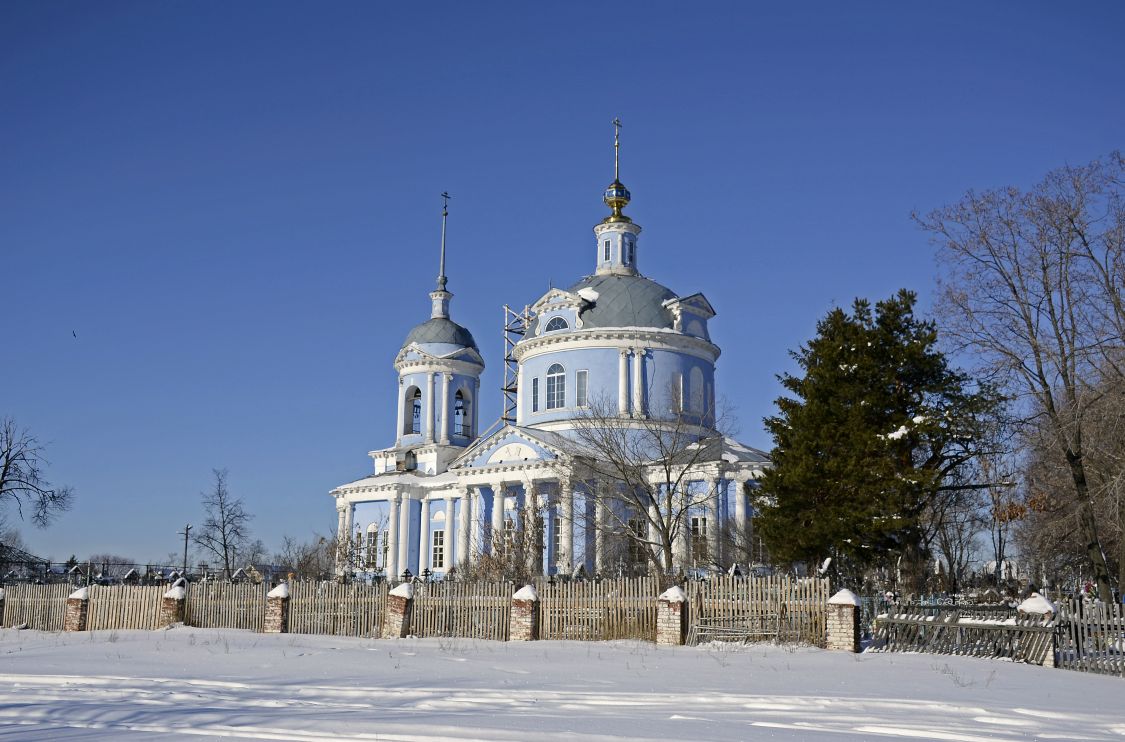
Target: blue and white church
x,y
616,342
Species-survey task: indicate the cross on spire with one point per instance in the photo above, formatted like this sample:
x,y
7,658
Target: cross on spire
x,y
616,148
444,216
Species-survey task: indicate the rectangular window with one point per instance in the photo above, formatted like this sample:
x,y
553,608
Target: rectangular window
x,y
639,529
606,251
556,390
438,555
699,539
372,549
535,394
580,380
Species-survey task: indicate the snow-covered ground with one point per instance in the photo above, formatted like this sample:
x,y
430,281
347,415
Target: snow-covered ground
x,y
134,685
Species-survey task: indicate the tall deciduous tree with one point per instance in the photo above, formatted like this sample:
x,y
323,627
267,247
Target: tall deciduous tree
x,y
226,527
22,481
869,439
1034,283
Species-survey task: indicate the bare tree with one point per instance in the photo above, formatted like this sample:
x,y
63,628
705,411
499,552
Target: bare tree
x,y
226,528
22,482
1033,281
309,560
645,475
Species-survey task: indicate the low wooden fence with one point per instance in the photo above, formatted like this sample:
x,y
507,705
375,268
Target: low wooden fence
x,y
1091,637
473,610
40,607
1026,639
797,607
598,610
221,605
335,609
124,607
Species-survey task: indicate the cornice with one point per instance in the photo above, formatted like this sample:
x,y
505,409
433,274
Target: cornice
x,y
616,338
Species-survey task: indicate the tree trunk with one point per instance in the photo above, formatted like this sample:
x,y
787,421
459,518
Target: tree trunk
x,y
1088,525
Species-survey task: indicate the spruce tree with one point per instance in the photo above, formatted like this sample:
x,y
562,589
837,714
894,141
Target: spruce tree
x,y
868,438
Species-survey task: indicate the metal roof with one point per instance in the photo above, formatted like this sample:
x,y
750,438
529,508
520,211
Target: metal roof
x,y
441,330
625,301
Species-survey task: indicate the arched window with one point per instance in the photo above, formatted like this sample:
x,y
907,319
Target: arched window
x,y
416,411
556,386
556,323
372,550
696,390
461,425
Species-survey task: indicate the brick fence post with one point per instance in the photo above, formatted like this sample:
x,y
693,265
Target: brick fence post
x,y
277,610
671,618
400,607
524,623
172,605
77,610
1,606
843,622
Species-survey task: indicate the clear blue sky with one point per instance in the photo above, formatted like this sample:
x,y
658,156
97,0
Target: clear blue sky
x,y
235,205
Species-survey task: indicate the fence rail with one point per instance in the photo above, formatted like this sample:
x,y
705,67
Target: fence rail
x,y
1091,637
1026,639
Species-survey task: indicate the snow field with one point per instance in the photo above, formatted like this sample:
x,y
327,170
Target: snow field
x,y
137,685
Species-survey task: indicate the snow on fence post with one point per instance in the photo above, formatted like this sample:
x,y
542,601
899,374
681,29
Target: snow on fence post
x,y
400,608
77,610
843,622
523,624
172,605
277,610
1038,607
671,617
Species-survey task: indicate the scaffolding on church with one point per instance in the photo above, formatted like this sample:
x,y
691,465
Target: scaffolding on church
x,y
516,325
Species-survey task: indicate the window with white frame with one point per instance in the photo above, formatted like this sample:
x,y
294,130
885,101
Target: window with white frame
x,y
437,556
556,324
628,250
535,394
581,382
556,386
605,251
371,559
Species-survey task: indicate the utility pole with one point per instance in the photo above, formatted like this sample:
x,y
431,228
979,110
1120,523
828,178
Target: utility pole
x,y
185,532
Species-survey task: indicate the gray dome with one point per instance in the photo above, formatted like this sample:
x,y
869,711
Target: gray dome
x,y
443,331
625,301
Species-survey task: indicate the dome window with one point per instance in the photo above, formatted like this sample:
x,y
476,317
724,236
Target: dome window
x,y
556,387
556,324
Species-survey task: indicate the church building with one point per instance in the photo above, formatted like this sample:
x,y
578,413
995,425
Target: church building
x,y
615,349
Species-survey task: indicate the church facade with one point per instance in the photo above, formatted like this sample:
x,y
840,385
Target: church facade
x,y
615,349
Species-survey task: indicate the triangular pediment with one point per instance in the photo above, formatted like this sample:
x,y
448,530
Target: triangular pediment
x,y
508,445
556,298
696,303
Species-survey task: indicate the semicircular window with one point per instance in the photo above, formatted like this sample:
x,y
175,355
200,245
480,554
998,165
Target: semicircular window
x,y
556,324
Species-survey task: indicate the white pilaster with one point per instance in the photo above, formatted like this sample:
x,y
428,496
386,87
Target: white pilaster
x,y
565,557
404,537
622,383
446,408
401,414
742,541
452,553
392,567
496,537
714,543
424,538
463,546
638,383
599,532
431,408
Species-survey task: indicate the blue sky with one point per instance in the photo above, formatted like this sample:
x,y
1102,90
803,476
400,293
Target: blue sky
x,y
234,206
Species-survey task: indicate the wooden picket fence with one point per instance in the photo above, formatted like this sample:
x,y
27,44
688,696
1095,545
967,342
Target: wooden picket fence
x,y
476,610
41,607
598,610
221,605
336,609
124,607
1091,637
1025,639
797,607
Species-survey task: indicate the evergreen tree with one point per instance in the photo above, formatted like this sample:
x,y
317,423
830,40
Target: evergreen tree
x,y
870,440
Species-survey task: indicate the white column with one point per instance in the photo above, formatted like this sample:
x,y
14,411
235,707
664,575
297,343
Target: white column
x,y
622,383
476,526
451,551
424,538
463,526
599,531
431,408
638,383
401,413
341,522
446,408
391,566
653,519
534,539
565,557
714,543
497,533
404,536
476,407
742,539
